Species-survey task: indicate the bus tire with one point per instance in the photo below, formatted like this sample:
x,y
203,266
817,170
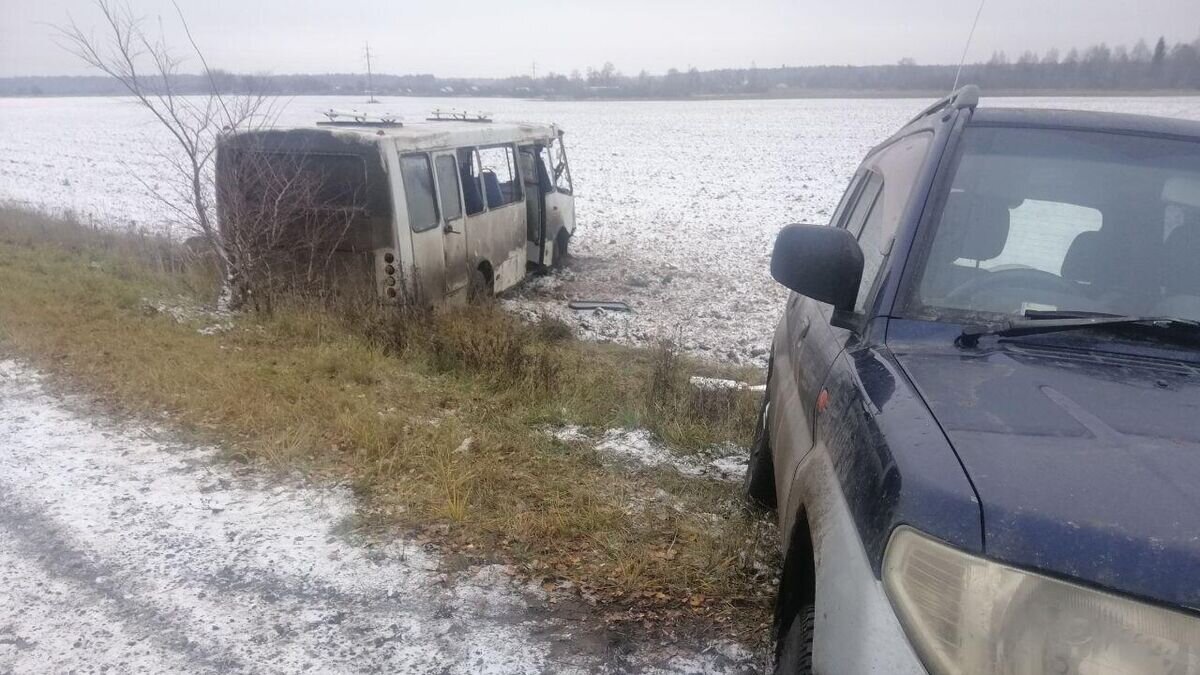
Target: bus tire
x,y
559,259
482,287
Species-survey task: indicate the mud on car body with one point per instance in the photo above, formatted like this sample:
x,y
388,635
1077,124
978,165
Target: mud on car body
x,y
982,423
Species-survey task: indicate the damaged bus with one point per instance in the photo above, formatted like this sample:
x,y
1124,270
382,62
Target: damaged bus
x,y
431,212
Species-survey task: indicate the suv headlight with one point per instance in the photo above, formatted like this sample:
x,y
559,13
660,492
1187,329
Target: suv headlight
x,y
965,614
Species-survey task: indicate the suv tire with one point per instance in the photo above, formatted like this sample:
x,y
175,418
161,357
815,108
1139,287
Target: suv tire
x,y
759,484
796,649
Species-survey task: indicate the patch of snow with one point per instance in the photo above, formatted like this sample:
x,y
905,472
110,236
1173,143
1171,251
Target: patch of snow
x,y
639,447
569,433
187,311
123,549
639,502
730,467
216,328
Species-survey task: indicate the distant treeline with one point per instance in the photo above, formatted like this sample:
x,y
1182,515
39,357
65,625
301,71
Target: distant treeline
x,y
1143,67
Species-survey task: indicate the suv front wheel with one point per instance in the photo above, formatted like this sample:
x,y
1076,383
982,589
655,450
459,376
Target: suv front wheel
x,y
759,484
796,649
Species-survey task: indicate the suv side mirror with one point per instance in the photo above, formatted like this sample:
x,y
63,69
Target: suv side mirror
x,y
818,261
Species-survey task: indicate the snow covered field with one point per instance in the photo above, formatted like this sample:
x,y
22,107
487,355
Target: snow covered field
x,y
678,202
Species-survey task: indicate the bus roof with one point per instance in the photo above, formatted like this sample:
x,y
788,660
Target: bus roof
x,y
429,135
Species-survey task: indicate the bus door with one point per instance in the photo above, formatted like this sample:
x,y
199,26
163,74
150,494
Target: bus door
x,y
454,231
537,183
559,201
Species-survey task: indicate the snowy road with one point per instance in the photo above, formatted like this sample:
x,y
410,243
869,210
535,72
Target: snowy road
x,y
124,550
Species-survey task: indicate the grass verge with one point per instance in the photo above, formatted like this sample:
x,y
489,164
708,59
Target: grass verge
x,y
436,418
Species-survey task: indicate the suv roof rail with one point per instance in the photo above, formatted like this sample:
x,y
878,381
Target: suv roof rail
x,y
966,96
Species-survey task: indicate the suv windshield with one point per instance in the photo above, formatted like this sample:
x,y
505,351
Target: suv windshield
x,y
1067,221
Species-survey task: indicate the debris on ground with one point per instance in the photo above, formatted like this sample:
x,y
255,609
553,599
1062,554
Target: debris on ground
x,y
721,384
606,305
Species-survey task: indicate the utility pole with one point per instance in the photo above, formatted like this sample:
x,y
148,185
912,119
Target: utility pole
x,y
370,83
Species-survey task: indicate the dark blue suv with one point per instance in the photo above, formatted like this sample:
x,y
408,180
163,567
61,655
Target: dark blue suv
x,y
982,421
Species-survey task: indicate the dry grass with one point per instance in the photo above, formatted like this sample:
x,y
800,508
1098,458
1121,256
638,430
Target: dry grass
x,y
435,417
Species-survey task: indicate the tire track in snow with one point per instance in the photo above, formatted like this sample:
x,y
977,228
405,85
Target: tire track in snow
x,y
30,534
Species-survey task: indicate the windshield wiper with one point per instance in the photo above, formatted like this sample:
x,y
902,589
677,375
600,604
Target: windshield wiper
x,y
1043,314
1058,321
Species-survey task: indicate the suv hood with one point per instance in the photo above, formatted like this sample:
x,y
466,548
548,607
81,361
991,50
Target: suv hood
x,y
1087,465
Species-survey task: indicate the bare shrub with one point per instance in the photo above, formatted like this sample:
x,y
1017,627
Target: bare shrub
x,y
484,340
686,415
552,329
720,405
667,382
397,330
148,69
284,223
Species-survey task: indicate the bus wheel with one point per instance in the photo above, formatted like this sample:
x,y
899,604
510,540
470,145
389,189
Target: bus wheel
x,y
482,286
559,259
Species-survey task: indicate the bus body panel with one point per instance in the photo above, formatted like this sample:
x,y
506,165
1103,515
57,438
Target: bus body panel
x,y
435,264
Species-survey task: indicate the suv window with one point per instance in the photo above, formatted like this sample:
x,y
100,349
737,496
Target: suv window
x,y
839,214
1039,235
1066,220
872,184
418,191
897,167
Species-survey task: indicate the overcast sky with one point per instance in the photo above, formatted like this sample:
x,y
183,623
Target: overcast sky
x,y
498,37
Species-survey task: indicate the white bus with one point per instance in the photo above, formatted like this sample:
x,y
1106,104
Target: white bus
x,y
432,211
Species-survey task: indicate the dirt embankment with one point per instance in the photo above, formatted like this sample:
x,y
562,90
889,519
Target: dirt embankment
x,y
443,428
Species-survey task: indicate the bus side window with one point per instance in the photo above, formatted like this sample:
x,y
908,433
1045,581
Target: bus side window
x,y
447,177
418,191
468,169
545,171
501,184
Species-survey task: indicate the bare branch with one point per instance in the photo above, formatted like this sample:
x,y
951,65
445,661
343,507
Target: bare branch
x,y
120,52
214,91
